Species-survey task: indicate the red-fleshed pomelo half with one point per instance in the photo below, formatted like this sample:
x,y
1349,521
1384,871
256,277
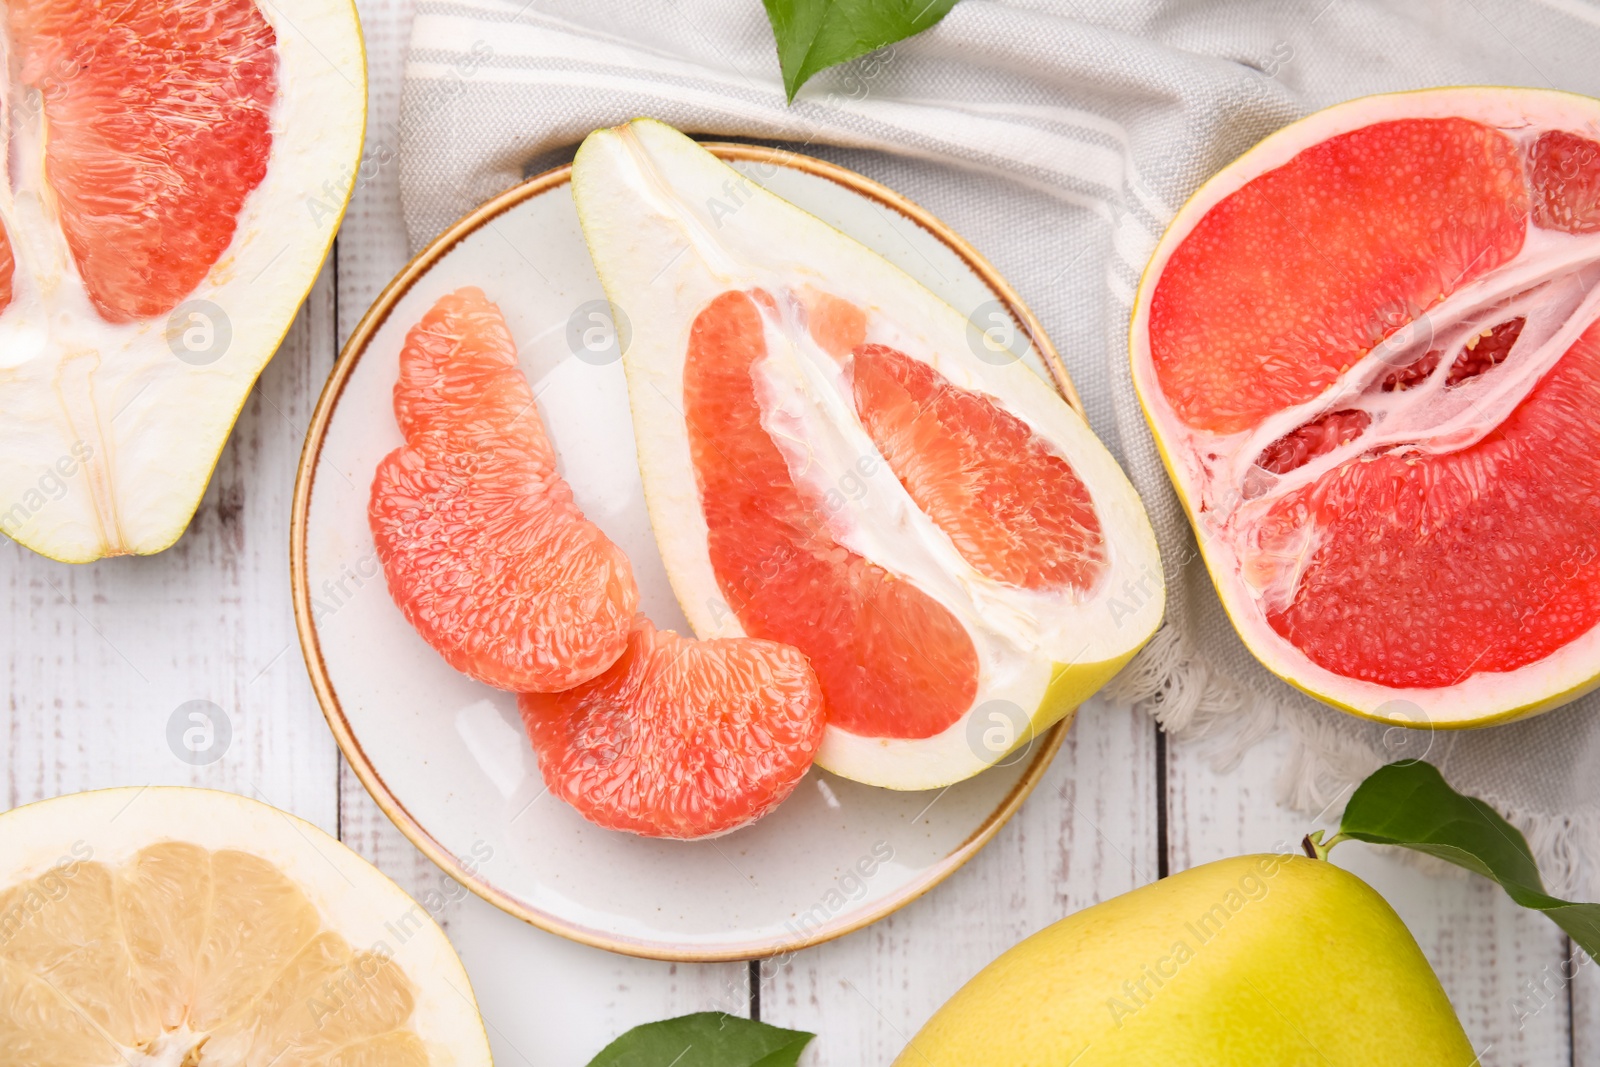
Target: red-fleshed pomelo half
x,y
680,738
1369,353
834,461
482,544
176,170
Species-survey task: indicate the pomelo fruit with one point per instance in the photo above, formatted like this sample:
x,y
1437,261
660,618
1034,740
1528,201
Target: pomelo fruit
x,y
1256,959
489,557
1368,351
482,545
680,738
832,462
168,927
178,170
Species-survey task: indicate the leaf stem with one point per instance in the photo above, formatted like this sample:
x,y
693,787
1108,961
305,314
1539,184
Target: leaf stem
x,y
1316,848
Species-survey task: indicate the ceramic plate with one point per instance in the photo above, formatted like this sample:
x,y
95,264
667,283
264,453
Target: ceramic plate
x,y
445,757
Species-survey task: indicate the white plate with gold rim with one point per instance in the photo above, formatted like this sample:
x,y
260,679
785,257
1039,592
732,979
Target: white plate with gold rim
x,y
445,756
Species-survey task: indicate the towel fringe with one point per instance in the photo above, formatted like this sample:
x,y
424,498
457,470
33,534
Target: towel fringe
x,y
1196,704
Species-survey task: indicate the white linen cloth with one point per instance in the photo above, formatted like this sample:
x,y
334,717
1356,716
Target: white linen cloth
x,y
1058,137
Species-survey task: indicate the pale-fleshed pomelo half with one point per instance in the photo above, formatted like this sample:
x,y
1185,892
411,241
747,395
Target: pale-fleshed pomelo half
x,y
830,464
176,927
1368,350
176,172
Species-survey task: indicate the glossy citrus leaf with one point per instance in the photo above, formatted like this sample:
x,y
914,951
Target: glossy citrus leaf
x,y
705,1039
1411,805
814,35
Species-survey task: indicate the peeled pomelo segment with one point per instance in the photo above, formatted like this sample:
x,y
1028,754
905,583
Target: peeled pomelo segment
x,y
160,120
787,509
680,738
893,663
1410,528
170,953
482,545
1564,172
460,385
1013,506
1287,282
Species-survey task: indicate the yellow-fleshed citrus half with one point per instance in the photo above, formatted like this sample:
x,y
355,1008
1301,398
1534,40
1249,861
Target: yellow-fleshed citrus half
x,y
177,927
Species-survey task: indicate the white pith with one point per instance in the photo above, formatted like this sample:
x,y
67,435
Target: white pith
x,y
110,826
138,428
645,195
1552,281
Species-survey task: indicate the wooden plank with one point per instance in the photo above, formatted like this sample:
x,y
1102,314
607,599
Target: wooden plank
x,y
1584,992
1484,948
544,1000
372,242
101,657
1087,834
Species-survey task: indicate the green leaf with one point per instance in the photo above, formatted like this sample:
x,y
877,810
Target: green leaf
x,y
814,35
705,1039
1410,804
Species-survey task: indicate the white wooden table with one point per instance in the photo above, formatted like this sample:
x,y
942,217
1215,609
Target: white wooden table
x,y
98,658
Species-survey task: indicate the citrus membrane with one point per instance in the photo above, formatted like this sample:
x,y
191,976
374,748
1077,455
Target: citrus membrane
x,y
1366,349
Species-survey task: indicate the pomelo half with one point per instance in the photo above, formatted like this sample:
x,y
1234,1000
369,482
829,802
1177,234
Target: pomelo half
x,y
169,927
1368,351
830,464
176,173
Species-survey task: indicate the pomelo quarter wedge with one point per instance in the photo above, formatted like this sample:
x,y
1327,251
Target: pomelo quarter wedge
x,y
833,459
1368,351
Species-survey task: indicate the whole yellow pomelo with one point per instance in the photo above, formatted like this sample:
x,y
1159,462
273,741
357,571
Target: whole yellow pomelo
x,y
1259,960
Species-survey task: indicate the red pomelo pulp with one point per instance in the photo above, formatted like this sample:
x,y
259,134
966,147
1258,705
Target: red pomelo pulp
x,y
893,661
176,172
159,126
1368,352
680,738
482,545
492,562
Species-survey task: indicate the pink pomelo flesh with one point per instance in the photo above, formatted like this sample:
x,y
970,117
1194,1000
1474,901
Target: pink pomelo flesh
x,y
893,661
